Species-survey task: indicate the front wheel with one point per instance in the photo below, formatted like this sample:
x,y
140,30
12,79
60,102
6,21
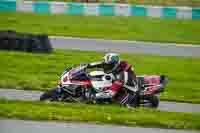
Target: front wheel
x,y
50,95
151,101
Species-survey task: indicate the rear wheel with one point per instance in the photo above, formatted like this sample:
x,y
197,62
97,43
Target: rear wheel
x,y
151,101
50,95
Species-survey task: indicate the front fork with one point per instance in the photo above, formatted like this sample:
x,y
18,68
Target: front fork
x,y
59,94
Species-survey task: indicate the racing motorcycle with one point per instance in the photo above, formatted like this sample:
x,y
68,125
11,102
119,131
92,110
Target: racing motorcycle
x,y
78,85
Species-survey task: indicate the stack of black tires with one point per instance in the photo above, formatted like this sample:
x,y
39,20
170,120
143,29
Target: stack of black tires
x,y
11,40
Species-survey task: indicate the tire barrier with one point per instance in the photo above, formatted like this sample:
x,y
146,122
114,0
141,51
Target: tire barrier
x,y
11,40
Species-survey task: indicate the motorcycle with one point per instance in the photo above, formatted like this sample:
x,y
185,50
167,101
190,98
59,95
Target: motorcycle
x,y
78,85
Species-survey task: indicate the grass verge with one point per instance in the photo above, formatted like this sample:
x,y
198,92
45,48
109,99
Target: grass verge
x,y
40,71
98,114
109,27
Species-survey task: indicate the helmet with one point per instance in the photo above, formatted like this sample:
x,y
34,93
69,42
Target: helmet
x,y
111,59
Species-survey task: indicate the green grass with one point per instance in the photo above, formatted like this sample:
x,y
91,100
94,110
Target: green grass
x,y
115,27
40,71
98,114
194,3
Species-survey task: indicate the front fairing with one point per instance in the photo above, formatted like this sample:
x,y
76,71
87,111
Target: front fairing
x,y
76,76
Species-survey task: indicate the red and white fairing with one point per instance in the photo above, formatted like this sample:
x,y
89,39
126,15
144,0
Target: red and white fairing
x,y
67,78
100,80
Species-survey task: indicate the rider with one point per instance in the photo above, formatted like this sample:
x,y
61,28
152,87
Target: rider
x,y
124,75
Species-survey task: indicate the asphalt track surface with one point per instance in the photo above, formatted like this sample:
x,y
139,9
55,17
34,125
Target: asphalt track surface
x,y
34,96
164,49
20,126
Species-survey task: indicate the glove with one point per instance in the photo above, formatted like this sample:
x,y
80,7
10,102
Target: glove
x,y
84,66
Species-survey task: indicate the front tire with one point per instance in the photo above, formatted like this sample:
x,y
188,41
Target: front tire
x,y
50,95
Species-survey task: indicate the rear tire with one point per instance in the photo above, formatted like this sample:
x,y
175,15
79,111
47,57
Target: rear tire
x,y
153,101
50,95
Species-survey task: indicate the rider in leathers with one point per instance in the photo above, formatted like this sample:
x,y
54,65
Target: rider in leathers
x,y
124,75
